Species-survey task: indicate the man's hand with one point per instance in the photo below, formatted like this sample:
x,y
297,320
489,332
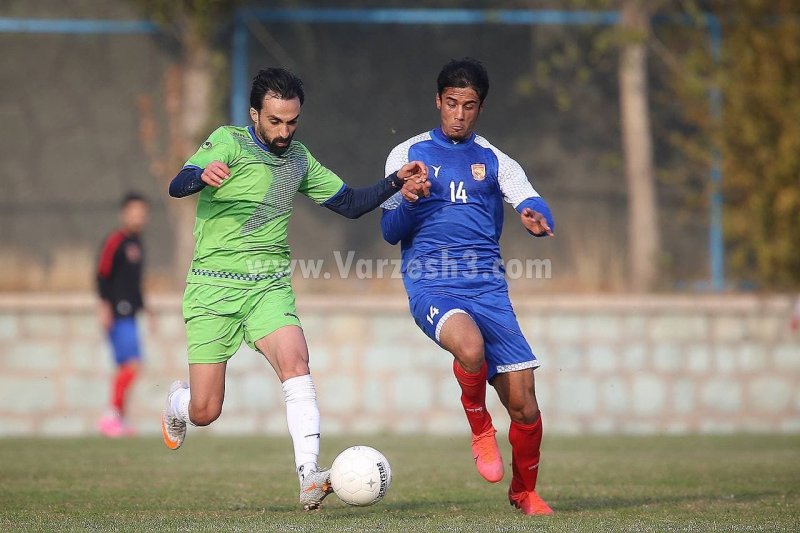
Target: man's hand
x,y
413,188
414,169
535,222
105,316
215,173
415,175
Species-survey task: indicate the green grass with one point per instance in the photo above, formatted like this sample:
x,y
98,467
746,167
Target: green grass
x,y
735,483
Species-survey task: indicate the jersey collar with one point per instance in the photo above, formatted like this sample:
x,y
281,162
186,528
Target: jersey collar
x,y
440,138
251,130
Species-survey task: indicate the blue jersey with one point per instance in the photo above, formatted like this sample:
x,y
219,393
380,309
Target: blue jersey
x,y
450,241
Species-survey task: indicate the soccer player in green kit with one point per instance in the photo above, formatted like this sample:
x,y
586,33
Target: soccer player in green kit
x,y
239,286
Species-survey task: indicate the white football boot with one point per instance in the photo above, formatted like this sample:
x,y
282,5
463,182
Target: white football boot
x,y
173,428
314,486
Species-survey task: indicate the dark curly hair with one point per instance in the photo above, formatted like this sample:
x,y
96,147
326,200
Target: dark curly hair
x,y
275,80
466,72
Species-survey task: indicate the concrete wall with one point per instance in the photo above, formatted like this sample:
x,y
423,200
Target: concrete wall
x,y
610,364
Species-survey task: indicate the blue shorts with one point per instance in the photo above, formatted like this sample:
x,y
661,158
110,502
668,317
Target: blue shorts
x,y
124,337
505,348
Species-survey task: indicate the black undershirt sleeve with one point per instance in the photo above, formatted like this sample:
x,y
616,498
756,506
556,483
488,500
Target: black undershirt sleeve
x,y
352,203
186,182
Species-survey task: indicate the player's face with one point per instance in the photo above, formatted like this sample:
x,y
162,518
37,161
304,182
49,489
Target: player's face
x,y
134,216
459,108
276,122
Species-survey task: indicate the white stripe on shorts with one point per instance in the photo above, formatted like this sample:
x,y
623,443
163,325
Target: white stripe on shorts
x,y
517,366
444,318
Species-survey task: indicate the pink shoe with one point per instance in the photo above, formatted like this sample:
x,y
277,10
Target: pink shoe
x,y
111,426
128,430
529,503
487,456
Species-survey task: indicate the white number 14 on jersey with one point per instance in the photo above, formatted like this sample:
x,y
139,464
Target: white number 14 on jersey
x,y
458,193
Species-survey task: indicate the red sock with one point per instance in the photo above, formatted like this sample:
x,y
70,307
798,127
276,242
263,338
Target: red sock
x,y
526,440
122,382
473,397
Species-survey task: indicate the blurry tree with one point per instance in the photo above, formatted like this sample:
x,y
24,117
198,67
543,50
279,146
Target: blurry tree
x,y
637,143
191,94
761,140
758,134
628,41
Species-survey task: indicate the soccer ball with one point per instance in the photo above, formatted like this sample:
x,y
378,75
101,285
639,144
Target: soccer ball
x,y
360,476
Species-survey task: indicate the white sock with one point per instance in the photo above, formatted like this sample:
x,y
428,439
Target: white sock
x,y
179,402
302,416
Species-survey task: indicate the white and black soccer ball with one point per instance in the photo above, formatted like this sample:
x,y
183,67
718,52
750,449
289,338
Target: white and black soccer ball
x,y
360,476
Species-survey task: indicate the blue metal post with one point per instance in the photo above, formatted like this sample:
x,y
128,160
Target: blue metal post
x,y
715,234
239,89
76,26
524,17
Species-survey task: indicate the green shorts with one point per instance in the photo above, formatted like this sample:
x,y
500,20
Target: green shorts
x,y
218,318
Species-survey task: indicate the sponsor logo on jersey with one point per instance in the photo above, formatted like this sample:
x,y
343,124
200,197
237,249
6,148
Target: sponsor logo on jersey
x,y
436,170
206,145
479,171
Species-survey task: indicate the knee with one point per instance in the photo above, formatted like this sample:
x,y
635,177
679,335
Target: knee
x,y
525,412
203,415
469,354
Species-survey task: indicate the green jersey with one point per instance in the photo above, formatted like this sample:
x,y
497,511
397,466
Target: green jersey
x,y
241,227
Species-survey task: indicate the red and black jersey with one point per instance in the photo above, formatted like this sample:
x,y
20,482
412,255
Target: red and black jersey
x,y
119,273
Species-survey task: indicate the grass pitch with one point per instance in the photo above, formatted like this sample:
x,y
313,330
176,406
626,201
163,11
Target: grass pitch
x,y
732,483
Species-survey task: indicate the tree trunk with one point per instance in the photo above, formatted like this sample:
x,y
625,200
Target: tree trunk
x,y
192,113
643,234
187,109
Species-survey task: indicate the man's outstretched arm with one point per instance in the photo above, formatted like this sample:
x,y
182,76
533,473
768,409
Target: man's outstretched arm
x,y
534,212
411,180
535,215
352,203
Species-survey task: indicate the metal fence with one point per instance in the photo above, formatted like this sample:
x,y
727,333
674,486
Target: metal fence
x,y
70,108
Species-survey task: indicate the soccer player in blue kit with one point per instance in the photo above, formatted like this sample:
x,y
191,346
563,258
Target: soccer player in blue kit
x,y
453,273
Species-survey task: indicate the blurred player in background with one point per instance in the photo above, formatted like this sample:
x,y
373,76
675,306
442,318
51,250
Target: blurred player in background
x,y
453,272
239,285
119,284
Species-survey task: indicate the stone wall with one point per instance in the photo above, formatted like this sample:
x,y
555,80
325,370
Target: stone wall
x,y
656,364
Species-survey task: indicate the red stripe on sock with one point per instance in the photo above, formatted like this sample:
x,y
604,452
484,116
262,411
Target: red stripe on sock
x,y
122,383
526,441
473,397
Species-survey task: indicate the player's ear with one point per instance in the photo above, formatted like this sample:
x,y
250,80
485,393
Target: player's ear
x,y
438,101
253,115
